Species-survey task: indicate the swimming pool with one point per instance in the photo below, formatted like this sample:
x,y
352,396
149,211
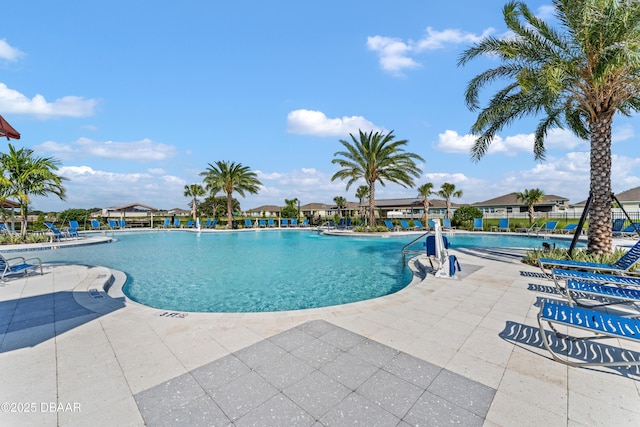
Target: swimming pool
x,y
272,270
247,271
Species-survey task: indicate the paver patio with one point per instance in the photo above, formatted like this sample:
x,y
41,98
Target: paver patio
x,y
462,350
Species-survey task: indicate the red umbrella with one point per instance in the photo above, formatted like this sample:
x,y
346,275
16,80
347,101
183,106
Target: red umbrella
x,y
7,130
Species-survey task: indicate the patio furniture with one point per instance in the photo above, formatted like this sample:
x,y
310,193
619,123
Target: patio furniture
x,y
621,266
18,265
597,324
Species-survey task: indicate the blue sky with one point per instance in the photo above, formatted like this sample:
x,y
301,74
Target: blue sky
x,y
136,98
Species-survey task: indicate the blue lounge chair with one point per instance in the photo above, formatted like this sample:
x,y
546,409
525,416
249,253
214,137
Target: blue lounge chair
x,y
617,225
213,223
304,223
270,223
631,229
600,324
446,224
18,265
503,225
621,266
4,229
405,225
247,223
122,223
191,224
549,227
533,228
113,224
341,223
622,289
284,223
176,222
54,232
569,228
72,231
478,224
389,225
166,223
418,224
432,224
95,224
262,223
294,222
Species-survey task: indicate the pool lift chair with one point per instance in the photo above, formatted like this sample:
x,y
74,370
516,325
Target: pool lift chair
x,y
445,265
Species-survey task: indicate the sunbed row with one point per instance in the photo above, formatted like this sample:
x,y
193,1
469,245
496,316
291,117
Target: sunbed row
x,y
600,301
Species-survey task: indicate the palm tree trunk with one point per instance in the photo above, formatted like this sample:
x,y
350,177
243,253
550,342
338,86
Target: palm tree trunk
x,y
599,240
372,204
193,208
532,214
426,212
23,220
229,210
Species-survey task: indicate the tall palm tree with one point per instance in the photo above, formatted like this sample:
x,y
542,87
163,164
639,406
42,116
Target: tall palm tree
x,y
23,175
230,177
425,190
531,198
194,191
341,203
447,191
578,75
376,157
362,192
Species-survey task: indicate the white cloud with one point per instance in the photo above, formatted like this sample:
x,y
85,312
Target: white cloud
x,y
310,122
392,53
452,142
142,151
268,176
396,55
439,39
12,101
622,133
546,12
562,139
88,187
9,53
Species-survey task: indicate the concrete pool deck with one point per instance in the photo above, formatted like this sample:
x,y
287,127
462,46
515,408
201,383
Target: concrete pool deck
x,y
443,350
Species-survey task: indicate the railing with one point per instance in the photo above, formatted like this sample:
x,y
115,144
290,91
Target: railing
x,y
406,250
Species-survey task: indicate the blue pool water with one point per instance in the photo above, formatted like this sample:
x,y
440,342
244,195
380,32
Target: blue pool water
x,y
260,271
248,271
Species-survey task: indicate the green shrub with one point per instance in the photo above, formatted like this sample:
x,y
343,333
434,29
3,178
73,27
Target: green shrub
x,y
464,215
532,256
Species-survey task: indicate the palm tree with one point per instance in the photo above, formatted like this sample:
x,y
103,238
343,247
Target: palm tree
x,y
212,190
361,193
578,75
376,157
447,191
531,198
195,191
22,175
229,177
341,203
425,190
